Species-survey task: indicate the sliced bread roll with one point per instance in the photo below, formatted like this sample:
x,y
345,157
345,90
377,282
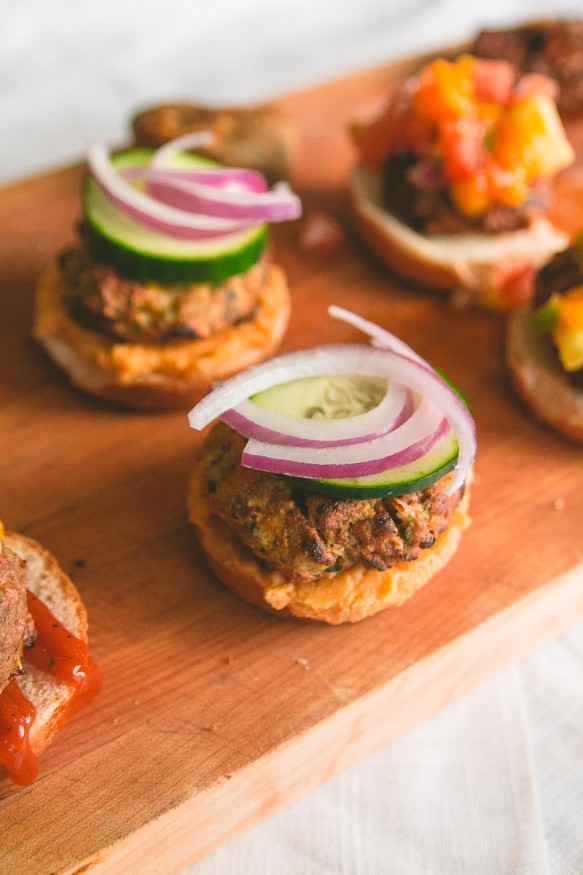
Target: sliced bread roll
x,y
539,378
52,697
478,267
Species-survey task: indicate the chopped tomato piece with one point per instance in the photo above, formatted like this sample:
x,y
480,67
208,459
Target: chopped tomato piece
x,y
493,80
462,141
535,83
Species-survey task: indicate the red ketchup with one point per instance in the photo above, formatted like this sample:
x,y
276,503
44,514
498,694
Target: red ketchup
x,y
59,653
16,717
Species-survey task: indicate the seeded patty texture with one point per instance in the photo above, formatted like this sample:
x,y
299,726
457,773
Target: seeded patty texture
x,y
306,536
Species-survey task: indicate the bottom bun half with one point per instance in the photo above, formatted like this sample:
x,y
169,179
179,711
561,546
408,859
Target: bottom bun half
x,y
539,379
477,267
157,376
342,597
45,578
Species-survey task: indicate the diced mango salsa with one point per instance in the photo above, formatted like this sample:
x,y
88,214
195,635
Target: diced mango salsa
x,y
445,90
492,136
562,315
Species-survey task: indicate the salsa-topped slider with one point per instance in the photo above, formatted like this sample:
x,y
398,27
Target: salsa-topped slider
x,y
544,344
171,284
337,482
454,179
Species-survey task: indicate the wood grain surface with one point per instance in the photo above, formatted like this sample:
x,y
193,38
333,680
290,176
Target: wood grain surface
x,y
214,714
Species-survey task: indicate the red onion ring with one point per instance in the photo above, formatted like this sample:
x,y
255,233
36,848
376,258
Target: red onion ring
x,y
406,443
193,140
234,178
380,337
276,205
348,358
149,212
216,214
253,421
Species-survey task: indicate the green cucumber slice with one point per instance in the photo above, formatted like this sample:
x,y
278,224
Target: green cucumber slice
x,y
392,483
339,396
150,256
324,397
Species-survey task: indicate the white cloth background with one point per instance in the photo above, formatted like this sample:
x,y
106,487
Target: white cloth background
x,y
493,785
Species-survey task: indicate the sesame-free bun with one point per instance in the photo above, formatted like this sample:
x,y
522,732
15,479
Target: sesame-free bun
x,y
45,578
157,376
475,266
253,136
341,597
539,378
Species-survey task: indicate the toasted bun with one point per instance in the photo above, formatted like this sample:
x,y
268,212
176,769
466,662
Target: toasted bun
x,y
254,136
475,266
342,597
157,376
539,378
45,578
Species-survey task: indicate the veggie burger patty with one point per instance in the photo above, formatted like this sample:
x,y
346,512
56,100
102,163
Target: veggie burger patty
x,y
303,535
126,309
16,627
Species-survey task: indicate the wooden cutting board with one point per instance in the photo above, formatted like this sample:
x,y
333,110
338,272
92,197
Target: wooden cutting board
x,y
213,715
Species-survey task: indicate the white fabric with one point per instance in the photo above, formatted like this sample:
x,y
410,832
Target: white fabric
x,y
493,785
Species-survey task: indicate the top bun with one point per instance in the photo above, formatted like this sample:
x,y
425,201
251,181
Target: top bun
x,y
255,136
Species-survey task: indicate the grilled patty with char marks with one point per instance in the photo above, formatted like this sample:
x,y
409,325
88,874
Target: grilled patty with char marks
x,y
305,536
128,310
16,627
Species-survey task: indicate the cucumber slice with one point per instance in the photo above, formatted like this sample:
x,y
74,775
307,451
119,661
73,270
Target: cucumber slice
x,y
324,397
397,481
339,396
150,256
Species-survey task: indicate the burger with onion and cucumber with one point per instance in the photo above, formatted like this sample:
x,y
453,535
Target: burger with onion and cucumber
x,y
170,284
337,482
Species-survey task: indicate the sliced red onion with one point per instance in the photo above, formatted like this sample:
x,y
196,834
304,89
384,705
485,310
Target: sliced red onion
x,y
358,359
380,337
193,140
276,205
189,210
233,178
279,204
405,444
253,421
149,212
342,359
